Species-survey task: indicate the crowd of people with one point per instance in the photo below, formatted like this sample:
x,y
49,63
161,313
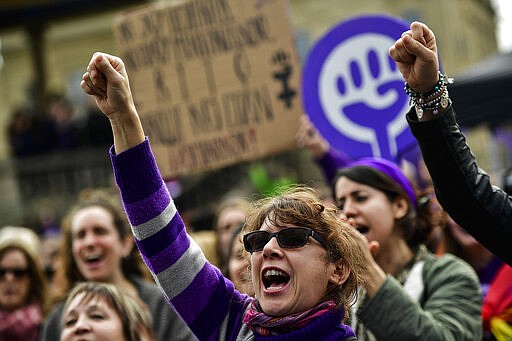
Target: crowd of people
x,y
382,259
56,128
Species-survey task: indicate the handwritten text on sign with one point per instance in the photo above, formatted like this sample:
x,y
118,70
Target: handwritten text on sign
x,y
215,81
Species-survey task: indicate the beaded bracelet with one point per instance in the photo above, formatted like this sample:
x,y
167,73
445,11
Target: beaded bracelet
x,y
435,105
413,94
433,100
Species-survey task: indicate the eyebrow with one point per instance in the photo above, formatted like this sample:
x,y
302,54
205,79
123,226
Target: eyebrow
x,y
356,192
352,194
96,307
69,313
87,309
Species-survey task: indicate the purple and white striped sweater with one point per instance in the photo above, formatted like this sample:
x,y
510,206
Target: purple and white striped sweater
x,y
200,294
206,301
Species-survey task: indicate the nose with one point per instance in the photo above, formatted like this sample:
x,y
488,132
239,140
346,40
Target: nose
x,y
272,248
89,239
82,326
9,276
350,209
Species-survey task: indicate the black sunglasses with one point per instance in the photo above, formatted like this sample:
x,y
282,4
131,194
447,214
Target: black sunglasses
x,y
288,238
16,272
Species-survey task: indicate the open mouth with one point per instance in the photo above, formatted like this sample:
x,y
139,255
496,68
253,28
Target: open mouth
x,y
9,292
274,279
92,259
362,229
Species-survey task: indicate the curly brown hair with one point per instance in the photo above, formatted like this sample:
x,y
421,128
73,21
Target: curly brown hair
x,y
300,206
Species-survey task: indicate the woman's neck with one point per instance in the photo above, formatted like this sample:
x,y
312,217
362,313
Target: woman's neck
x,y
394,255
124,285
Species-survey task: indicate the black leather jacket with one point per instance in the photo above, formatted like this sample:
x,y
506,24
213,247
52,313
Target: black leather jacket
x,y
463,189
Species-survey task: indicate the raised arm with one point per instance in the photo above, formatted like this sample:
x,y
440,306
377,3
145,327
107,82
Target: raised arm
x,y
205,300
463,189
328,159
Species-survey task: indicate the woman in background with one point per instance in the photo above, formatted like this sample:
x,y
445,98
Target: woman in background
x,y
97,246
231,212
238,264
23,288
100,311
409,294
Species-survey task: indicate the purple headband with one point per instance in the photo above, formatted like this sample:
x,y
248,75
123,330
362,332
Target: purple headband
x,y
391,170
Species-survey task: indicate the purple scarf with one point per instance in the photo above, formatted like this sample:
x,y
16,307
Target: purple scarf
x,y
264,324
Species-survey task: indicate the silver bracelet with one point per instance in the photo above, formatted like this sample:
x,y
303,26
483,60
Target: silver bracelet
x,y
433,100
441,102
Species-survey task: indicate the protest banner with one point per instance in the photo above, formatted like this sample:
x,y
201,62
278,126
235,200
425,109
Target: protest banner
x,y
215,81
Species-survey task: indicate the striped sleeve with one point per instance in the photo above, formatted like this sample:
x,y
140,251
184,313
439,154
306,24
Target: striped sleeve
x,y
196,289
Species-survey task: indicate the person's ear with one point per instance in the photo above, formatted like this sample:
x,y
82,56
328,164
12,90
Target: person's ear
x,y
400,207
127,245
340,273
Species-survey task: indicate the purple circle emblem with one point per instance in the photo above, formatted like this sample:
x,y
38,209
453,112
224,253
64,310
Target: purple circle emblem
x,y
353,91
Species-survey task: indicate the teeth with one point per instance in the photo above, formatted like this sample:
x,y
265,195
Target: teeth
x,y
274,272
92,257
274,288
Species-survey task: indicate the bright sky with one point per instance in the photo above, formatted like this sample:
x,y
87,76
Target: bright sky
x,y
504,16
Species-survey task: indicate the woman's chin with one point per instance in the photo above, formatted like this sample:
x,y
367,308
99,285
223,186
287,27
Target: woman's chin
x,y
274,306
274,311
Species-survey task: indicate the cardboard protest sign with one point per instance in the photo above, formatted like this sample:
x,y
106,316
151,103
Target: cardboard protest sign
x,y
215,81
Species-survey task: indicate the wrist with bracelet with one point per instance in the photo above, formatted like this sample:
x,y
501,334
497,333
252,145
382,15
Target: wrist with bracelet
x,y
434,100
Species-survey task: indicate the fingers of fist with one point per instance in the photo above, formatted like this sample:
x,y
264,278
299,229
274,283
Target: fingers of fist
x,y
88,85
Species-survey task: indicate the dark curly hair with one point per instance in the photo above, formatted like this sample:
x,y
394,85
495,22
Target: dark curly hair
x,y
300,206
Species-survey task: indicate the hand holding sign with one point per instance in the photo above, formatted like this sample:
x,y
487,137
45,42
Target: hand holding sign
x,y
307,136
